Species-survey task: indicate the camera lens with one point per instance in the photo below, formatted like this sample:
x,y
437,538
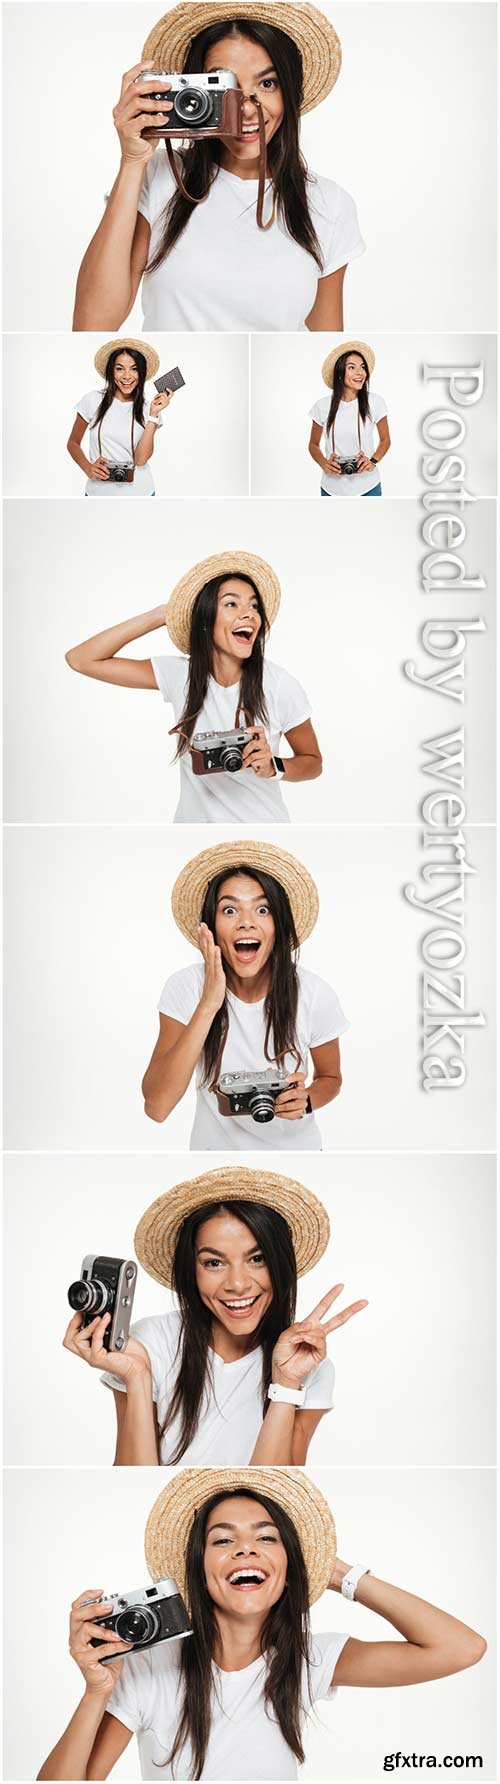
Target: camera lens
x,y
261,1106
88,1297
231,758
137,1625
191,105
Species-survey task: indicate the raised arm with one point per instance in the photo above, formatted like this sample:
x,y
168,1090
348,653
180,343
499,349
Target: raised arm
x,y
434,1645
112,268
91,1730
286,1430
137,1435
180,1045
98,656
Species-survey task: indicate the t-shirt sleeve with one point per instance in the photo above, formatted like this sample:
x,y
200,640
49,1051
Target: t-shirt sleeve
x,y
180,995
326,1651
131,1697
317,413
88,405
157,187
378,407
164,677
343,241
294,704
320,1386
327,1019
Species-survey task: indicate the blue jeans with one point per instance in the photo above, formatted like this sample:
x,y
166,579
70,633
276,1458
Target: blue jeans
x,y
377,491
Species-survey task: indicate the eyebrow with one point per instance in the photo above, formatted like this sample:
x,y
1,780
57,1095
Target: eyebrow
x,y
263,1524
231,898
215,1253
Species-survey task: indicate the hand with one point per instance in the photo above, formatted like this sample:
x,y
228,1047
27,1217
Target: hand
x,y
299,1349
214,989
161,401
136,111
86,1342
99,1679
290,1105
331,466
339,1573
99,470
257,755
363,463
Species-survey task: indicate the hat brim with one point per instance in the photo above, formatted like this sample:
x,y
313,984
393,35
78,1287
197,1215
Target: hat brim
x,y
170,1521
317,42
123,345
157,1232
192,883
330,362
179,609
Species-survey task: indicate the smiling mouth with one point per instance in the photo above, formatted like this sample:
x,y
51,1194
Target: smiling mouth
x,y
244,632
241,1309
246,1578
247,950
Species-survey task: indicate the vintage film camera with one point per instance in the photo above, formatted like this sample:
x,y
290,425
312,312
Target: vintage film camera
x,y
202,104
107,1285
251,1093
348,466
219,752
145,1616
119,473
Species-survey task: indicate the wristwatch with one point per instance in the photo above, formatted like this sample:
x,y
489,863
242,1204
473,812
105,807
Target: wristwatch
x,y
280,767
374,462
286,1396
350,1580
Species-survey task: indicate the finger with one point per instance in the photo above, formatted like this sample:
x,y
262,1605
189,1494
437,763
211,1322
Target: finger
x,y
296,1078
340,1318
93,1593
132,73
99,1330
326,1302
74,1327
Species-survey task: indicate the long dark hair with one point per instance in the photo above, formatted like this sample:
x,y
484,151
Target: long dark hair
x,y
250,700
273,1237
284,1638
109,392
285,163
363,398
280,1007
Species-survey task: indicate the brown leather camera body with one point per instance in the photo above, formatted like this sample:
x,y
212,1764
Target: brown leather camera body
x,y
230,124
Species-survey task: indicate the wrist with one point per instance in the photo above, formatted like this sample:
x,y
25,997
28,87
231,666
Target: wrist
x,y
138,1376
280,1380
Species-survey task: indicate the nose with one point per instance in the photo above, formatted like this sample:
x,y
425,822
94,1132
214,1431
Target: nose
x,y
249,105
244,1548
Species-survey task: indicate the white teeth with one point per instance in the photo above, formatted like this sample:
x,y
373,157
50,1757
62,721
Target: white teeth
x,y
240,1304
247,1573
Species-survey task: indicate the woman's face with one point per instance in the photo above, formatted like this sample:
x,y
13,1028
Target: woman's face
x,y
255,75
237,620
232,1276
244,927
245,1558
126,376
355,374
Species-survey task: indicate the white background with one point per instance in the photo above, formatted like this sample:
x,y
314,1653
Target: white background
x,y
201,449
351,615
92,940
429,1531
287,381
414,1236
409,130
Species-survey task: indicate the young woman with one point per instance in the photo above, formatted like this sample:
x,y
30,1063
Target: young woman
x,y
231,1376
207,257
219,616
122,421
350,428
251,1550
247,1006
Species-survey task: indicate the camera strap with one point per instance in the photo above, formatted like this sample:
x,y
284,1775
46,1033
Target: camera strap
x,y
130,469
174,169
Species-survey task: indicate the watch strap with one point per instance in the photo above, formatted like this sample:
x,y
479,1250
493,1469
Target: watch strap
x,y
286,1396
279,766
350,1580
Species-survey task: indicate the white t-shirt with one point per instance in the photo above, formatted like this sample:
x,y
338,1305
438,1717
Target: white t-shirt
x,y
116,429
232,798
319,1019
225,272
245,1740
231,1414
347,442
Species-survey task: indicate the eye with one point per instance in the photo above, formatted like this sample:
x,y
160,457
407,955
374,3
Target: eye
x,y
211,1263
258,1258
227,910
270,83
264,910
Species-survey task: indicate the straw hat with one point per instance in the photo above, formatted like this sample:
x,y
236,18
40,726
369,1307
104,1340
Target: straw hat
x,y
179,608
192,883
346,347
319,47
125,344
157,1232
170,1521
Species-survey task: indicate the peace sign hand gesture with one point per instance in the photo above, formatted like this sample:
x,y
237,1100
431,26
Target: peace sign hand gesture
x,y
303,1346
